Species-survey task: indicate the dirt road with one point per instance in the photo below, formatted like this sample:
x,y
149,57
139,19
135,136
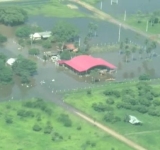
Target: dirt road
x,y
102,15
43,93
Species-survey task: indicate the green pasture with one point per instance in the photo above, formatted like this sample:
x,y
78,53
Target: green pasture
x,y
19,135
146,134
54,9
132,20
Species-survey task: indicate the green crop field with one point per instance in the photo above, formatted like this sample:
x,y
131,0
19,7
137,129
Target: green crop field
x,y
112,105
38,125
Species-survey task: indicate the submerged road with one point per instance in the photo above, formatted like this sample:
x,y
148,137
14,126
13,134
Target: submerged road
x,y
104,16
45,94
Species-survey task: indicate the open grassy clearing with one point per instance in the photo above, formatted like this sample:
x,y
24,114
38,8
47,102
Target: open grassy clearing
x,y
54,9
18,118
145,134
133,21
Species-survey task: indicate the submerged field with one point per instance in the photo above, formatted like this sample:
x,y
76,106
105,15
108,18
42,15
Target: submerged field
x,y
113,104
39,125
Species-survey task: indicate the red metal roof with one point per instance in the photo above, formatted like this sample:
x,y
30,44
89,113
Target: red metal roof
x,y
85,62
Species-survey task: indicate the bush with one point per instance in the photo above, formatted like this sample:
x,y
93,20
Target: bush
x,y
37,128
48,129
34,51
65,120
79,128
2,39
110,101
9,120
89,92
144,77
156,102
100,107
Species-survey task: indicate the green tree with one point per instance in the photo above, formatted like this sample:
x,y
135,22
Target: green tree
x,y
144,77
12,15
24,68
47,44
127,54
26,30
33,51
65,32
133,51
3,39
65,55
36,128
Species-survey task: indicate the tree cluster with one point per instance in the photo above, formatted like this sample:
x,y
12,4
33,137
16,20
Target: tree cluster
x,y
144,100
26,30
12,15
24,68
6,75
38,104
3,39
65,120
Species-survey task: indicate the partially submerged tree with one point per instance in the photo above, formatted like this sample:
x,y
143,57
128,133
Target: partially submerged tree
x,y
12,15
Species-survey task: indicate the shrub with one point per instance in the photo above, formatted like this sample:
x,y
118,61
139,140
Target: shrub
x,y
65,120
48,130
37,128
100,107
89,92
33,51
144,77
110,101
9,120
79,128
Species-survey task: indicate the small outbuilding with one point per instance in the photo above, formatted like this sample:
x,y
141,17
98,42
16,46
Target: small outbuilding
x,y
134,120
10,61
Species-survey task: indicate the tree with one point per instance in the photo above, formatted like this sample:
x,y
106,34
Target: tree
x,y
140,52
65,55
133,51
33,51
37,128
65,32
127,54
24,68
3,39
12,15
26,30
92,29
95,75
144,77
47,44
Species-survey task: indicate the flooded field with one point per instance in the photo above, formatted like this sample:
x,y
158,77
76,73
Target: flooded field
x,y
65,79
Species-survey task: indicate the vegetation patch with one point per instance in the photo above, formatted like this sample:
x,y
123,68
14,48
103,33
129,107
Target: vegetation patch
x,y
37,124
112,105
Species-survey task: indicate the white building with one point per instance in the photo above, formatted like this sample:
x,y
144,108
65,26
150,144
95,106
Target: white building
x,y
40,35
134,120
10,61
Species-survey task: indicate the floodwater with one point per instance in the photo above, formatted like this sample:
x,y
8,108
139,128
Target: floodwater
x,y
65,79
130,6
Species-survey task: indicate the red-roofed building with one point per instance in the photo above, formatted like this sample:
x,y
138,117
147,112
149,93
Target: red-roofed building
x,y
84,63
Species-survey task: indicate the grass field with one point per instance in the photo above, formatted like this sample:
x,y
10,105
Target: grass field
x,y
17,119
54,9
146,134
133,21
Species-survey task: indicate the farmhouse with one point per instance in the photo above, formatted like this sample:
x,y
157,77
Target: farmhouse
x,y
40,35
83,63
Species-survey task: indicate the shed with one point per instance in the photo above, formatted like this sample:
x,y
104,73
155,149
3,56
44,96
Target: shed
x,y
134,120
10,61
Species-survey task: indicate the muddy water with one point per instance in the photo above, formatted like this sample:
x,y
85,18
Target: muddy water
x,y
66,79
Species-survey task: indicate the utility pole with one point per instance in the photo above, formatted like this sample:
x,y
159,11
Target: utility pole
x,y
147,26
101,5
119,33
125,15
